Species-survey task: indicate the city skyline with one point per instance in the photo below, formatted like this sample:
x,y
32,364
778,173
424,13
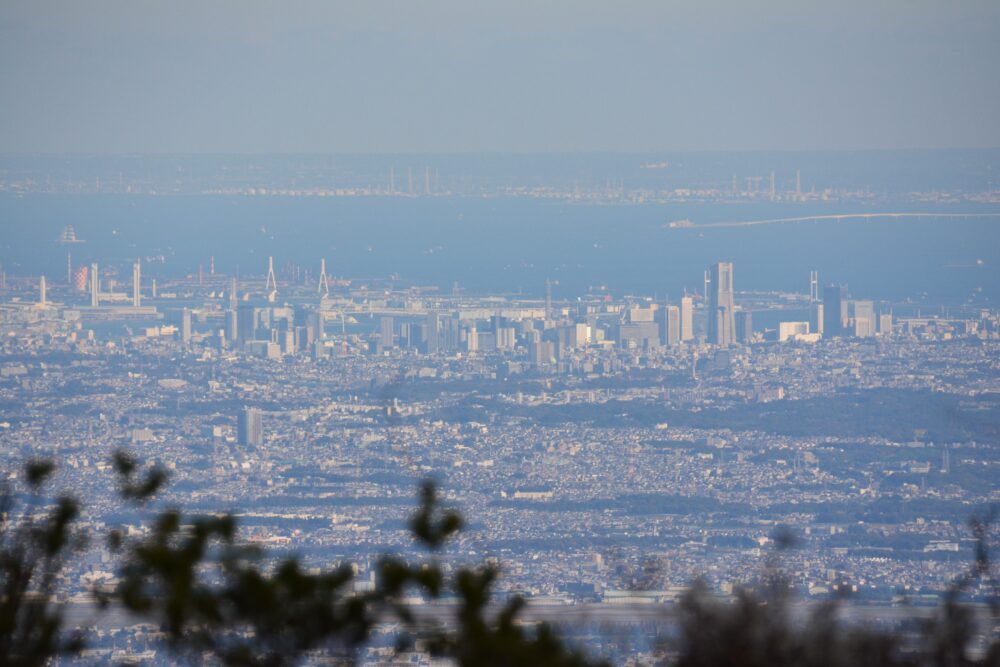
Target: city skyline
x,y
302,305
586,433
681,321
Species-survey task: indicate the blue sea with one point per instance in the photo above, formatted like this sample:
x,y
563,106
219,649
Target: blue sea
x,y
512,245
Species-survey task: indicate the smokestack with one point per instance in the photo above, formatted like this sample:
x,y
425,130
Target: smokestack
x,y
136,273
95,286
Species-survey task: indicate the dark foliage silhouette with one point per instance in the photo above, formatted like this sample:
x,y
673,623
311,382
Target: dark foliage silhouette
x,y
214,596
762,626
34,541
211,594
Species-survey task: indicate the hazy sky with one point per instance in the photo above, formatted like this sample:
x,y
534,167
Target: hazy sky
x,y
379,76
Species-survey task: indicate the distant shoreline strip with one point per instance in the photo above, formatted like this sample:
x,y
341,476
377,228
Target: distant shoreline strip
x,y
687,224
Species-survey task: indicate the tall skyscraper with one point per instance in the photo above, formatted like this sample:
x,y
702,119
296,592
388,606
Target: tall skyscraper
x,y
687,318
386,333
816,318
431,334
744,325
249,428
721,323
885,324
834,310
863,316
453,332
670,325
317,325
246,323
232,329
185,325
542,352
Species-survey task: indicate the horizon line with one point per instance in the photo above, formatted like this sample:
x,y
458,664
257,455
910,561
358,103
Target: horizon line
x,y
470,153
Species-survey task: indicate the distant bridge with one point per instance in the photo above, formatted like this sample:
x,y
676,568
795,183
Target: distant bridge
x,y
687,224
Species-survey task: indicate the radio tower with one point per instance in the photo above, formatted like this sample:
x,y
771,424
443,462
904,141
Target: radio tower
x,y
814,285
270,283
324,287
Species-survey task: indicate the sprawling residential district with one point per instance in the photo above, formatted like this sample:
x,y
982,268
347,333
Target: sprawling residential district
x,y
605,451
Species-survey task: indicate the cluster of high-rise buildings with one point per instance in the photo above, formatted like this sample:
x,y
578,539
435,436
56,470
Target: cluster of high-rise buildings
x,y
834,316
840,316
541,333
257,323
